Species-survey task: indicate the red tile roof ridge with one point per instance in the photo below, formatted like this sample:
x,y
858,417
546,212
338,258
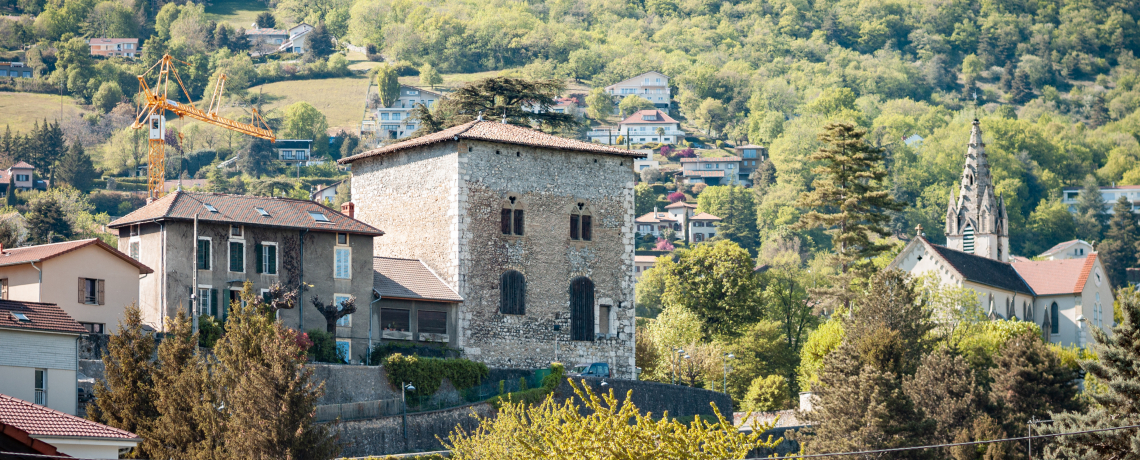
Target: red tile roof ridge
x,y
28,409
710,159
22,165
1090,261
62,248
663,117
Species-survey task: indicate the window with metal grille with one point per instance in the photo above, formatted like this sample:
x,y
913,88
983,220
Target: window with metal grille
x,y
582,309
512,293
395,319
431,322
41,386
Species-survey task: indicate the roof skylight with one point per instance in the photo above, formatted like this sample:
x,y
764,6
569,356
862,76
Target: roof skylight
x,y
21,317
318,216
263,212
210,207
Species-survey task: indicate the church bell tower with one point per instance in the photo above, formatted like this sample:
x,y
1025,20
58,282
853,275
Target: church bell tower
x,y
977,222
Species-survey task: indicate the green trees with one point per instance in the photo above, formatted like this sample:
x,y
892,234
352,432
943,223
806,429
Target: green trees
x,y
736,207
599,104
715,282
1092,217
76,169
265,20
711,114
126,400
1119,247
499,98
633,103
318,42
303,121
387,84
429,76
46,222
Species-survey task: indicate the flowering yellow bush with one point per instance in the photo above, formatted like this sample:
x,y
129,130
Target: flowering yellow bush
x,y
612,429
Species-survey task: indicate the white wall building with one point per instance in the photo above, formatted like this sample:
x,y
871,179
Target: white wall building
x,y
653,86
679,216
641,127
1073,249
712,171
39,354
1110,193
394,122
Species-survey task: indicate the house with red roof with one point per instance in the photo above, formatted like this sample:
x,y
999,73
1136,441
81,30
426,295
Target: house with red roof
x,y
1066,294
682,218
90,280
40,356
641,127
208,245
28,428
19,175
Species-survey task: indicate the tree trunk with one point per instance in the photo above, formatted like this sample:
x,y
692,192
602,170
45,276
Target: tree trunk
x,y
330,327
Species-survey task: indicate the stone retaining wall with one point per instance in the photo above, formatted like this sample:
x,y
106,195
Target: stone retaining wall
x,y
385,436
657,398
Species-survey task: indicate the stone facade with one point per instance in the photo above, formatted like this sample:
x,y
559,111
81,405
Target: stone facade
x,y
441,203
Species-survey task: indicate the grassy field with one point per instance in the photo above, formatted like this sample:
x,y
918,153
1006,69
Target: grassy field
x,y
20,110
340,99
237,13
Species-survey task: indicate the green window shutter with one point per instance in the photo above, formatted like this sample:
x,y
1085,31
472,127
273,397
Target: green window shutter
x,y
272,268
214,301
237,257
258,252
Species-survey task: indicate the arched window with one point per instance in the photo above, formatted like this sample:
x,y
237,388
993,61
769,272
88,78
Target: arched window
x,y
581,223
512,293
511,220
968,239
581,309
1054,319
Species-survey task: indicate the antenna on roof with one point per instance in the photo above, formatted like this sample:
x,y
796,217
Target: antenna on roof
x,y
504,115
480,118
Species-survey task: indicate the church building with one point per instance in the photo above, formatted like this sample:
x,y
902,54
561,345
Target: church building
x,y
1065,297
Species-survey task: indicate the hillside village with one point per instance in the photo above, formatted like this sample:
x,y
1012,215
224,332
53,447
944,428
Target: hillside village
x,y
473,230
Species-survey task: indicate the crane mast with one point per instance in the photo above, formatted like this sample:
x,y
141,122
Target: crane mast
x,y
152,117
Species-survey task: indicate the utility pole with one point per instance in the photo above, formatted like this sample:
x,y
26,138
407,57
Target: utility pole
x,y
194,300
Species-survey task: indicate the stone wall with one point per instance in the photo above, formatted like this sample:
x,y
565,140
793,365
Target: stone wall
x,y
657,398
385,436
346,384
441,204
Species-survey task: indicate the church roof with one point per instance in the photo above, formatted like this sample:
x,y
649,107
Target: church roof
x,y
982,270
1054,277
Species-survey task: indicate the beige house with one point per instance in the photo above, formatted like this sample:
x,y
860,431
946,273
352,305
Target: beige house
x,y
19,175
107,280
126,47
679,216
39,354
713,171
1072,249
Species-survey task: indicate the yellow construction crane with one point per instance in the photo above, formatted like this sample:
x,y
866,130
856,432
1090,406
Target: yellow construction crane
x,y
152,116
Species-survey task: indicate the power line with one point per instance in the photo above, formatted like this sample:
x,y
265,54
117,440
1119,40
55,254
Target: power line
x,y
970,443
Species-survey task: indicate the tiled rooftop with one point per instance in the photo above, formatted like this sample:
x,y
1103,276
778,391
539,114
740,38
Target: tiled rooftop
x,y
35,316
709,159
1052,277
243,209
16,256
409,279
38,420
496,132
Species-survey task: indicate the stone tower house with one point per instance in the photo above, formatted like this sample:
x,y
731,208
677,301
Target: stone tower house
x,y
977,223
533,231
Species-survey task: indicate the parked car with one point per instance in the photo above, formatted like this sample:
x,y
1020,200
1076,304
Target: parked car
x,y
590,370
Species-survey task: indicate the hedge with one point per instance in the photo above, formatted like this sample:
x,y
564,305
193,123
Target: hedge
x,y
427,374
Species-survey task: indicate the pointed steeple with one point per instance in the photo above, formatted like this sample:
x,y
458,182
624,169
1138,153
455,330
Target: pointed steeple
x,y
977,222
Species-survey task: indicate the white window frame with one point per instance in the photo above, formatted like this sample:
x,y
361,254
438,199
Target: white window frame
x,y
205,299
265,256
336,250
241,229
210,260
133,241
346,320
241,301
40,392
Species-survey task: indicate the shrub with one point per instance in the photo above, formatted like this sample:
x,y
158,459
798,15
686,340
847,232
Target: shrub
x,y
766,394
676,196
698,188
324,348
534,395
666,151
209,331
427,374
687,152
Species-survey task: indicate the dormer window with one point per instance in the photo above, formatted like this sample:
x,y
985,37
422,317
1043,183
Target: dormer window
x,y
649,117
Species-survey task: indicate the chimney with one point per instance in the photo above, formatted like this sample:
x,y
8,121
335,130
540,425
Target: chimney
x,y
348,209
806,400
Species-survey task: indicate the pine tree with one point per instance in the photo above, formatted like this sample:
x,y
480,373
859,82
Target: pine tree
x,y
1118,250
945,390
521,102
46,222
186,427
268,394
319,42
738,217
76,169
1091,214
51,148
387,84
1006,80
849,200
1098,113
126,400
862,404
1019,89
1116,400
1029,381
10,194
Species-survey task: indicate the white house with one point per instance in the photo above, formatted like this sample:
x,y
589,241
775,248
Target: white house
x,y
40,356
1064,295
298,39
394,122
640,165
294,152
653,86
712,171
677,216
1072,249
642,127
1110,193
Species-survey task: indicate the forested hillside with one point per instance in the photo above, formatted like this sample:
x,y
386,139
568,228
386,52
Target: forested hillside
x,y
1056,83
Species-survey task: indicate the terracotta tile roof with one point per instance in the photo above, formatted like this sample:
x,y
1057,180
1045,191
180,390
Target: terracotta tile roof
x,y
22,437
41,317
1052,277
409,279
242,209
749,146
16,256
704,216
1061,246
681,204
38,420
22,165
113,40
655,217
982,270
711,173
710,159
644,259
496,132
660,117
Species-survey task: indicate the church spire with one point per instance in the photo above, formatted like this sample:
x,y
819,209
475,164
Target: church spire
x,y
977,222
